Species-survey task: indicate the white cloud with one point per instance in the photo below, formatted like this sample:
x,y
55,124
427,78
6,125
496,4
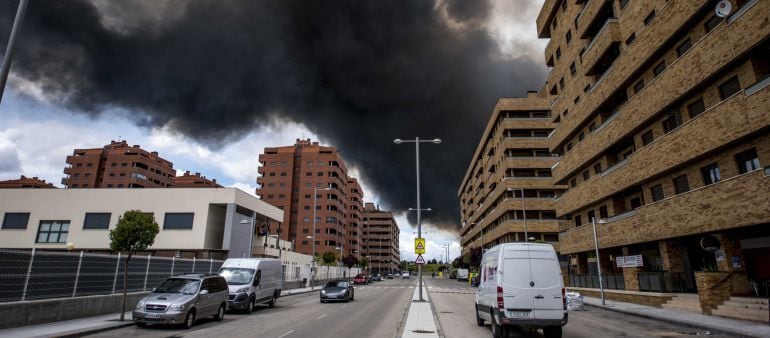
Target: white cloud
x,y
435,239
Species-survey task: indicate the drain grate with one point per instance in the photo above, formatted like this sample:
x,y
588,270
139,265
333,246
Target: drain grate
x,y
423,331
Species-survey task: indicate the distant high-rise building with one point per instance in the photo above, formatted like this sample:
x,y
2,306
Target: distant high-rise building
x,y
117,165
380,240
290,175
25,182
188,180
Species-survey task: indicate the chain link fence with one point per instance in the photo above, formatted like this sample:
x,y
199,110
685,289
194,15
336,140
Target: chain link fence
x,y
28,275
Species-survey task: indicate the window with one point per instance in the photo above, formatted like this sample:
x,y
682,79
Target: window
x,y
729,87
630,39
712,23
636,202
673,120
659,68
97,220
586,175
591,127
283,174
569,146
591,215
320,173
561,83
747,161
15,220
710,174
696,108
573,182
638,86
647,137
572,69
310,164
603,212
684,47
649,18
53,232
558,53
578,221
657,192
581,136
681,185
178,220
597,168
308,174
306,219
569,36
623,3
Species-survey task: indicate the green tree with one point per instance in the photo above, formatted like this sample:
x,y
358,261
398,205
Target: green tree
x,y
329,258
134,232
363,263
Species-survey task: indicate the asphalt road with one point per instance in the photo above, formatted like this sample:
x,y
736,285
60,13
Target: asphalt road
x,y
377,311
454,303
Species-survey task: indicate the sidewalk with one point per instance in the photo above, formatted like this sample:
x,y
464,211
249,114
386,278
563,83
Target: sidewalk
x,y
713,323
419,320
91,325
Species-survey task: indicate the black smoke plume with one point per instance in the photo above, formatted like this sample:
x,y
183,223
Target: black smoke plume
x,y
358,73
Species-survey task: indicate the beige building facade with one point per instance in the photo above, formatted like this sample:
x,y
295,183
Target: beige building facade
x,y
380,239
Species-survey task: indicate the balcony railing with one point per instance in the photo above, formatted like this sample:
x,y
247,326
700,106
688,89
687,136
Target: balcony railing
x,y
613,281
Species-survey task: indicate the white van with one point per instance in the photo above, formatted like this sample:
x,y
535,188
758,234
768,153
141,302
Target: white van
x,y
520,285
252,281
462,275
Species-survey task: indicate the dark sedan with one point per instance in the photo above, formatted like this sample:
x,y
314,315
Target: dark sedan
x,y
338,290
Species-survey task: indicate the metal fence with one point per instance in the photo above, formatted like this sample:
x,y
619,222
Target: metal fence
x,y
27,275
591,280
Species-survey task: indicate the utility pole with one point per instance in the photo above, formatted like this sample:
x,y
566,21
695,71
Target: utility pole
x,y
6,67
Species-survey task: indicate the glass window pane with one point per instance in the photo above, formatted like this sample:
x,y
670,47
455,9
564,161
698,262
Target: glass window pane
x,y
63,238
53,237
45,226
42,237
55,226
65,227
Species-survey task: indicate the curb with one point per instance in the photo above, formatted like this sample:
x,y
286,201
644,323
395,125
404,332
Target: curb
x,y
80,333
669,320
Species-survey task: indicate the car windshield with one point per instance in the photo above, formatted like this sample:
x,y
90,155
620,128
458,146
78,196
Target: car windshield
x,y
237,276
360,276
179,285
336,285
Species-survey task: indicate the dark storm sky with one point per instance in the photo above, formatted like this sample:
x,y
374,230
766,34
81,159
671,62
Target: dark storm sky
x,y
357,73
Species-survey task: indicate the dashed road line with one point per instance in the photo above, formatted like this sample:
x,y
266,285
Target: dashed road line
x,y
286,334
321,316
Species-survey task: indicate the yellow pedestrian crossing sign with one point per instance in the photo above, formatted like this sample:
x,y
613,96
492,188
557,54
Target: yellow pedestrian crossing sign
x,y
419,246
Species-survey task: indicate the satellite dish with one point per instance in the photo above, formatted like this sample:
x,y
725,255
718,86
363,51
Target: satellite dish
x,y
723,8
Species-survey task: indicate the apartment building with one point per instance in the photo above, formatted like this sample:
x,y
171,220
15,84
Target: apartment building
x,y
380,239
117,165
663,126
298,177
190,180
26,182
507,194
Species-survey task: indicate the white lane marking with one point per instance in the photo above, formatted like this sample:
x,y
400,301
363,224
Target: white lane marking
x,y
321,316
344,306
286,334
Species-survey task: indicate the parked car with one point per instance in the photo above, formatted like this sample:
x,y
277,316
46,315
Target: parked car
x,y
337,290
360,279
453,274
521,287
377,277
252,281
389,276
405,275
182,299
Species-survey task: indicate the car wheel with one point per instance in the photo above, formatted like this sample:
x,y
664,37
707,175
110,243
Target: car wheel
x,y
498,331
479,321
140,324
323,301
189,321
220,313
250,307
272,301
552,331
352,295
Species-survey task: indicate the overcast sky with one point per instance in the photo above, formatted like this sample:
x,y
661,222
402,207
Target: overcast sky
x,y
63,95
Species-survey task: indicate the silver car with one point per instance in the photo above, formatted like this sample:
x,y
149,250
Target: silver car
x,y
182,299
337,290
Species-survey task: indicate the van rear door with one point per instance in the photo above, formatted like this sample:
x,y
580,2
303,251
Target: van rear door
x,y
517,292
547,286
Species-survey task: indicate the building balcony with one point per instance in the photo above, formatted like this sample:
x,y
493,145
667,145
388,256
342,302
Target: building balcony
x,y
528,123
511,226
524,143
607,37
544,18
528,163
728,204
731,119
680,77
590,16
669,20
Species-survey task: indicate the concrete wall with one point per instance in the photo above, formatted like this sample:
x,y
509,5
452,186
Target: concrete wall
x,y
15,314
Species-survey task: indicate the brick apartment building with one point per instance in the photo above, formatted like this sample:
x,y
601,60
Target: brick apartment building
x,y
661,118
26,182
117,165
512,159
380,238
189,180
290,175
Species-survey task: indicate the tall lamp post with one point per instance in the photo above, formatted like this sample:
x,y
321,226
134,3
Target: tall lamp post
x,y
417,142
598,264
315,205
6,66
523,212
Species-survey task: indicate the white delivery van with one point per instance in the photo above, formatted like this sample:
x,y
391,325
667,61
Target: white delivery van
x,y
462,275
252,281
521,286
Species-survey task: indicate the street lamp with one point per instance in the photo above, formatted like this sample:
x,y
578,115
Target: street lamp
x,y
596,246
523,212
417,142
315,205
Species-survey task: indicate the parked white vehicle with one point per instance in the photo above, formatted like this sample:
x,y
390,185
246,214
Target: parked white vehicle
x,y
252,281
462,275
521,286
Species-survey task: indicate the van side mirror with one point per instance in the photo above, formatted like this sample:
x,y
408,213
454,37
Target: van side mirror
x,y
204,292
153,289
